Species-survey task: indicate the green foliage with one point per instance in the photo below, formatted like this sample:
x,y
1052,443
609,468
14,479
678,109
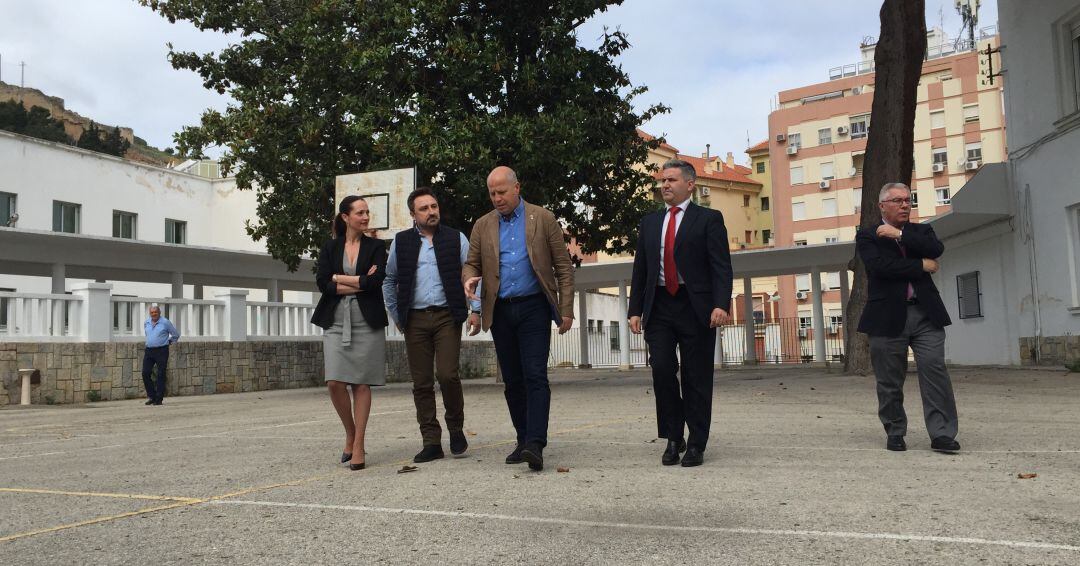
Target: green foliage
x,y
453,87
93,396
1073,366
36,123
111,143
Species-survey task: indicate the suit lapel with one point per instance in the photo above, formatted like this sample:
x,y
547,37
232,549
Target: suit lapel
x,y
692,213
493,234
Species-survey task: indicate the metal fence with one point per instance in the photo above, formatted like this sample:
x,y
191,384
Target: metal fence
x,y
605,348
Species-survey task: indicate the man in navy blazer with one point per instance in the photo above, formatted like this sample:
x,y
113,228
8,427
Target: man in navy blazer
x,y
680,294
903,309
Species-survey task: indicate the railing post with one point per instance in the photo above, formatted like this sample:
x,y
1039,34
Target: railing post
x,y
583,331
749,327
624,329
95,320
235,323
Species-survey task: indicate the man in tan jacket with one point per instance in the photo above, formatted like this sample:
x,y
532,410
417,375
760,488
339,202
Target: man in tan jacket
x,y
518,252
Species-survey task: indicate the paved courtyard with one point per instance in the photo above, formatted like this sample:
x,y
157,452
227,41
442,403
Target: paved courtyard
x,y
795,473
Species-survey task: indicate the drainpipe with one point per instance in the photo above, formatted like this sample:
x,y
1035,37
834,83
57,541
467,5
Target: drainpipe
x,y
1033,264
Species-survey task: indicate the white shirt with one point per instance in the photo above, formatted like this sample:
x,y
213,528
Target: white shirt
x,y
663,234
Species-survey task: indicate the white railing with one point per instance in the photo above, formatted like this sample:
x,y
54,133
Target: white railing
x,y
39,317
270,321
197,320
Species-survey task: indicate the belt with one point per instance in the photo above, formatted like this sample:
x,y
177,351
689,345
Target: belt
x,y
521,299
157,347
431,309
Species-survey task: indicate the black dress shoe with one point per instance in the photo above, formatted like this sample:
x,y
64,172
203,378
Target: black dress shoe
x,y
149,402
895,443
458,444
533,454
345,457
355,467
515,456
693,457
429,453
157,402
944,444
671,455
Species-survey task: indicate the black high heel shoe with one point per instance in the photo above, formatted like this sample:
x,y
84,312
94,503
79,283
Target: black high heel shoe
x,y
345,457
355,467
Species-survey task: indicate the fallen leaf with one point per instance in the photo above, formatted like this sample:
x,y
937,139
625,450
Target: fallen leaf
x,y
562,470
407,469
1026,476
470,433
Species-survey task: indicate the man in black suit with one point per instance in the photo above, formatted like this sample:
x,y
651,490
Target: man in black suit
x,y
680,294
904,309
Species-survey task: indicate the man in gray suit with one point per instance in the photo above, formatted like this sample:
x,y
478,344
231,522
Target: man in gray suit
x,y
904,309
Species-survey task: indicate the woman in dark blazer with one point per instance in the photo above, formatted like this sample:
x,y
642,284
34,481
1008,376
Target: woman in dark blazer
x,y
350,273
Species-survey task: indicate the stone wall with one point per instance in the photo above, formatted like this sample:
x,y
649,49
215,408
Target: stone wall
x,y
79,373
1056,350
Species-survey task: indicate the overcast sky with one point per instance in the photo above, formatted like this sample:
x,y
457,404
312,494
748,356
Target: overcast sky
x,y
717,63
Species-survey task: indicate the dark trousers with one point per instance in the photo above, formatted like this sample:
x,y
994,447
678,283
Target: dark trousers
x,y
160,358
521,330
433,346
889,358
673,323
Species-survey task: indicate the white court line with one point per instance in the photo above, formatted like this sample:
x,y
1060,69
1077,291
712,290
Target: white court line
x,y
842,449
675,528
188,437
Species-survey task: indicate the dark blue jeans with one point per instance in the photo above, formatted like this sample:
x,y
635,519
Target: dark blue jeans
x,y
521,330
160,358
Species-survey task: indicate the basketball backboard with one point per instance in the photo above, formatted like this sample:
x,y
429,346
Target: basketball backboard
x,y
386,193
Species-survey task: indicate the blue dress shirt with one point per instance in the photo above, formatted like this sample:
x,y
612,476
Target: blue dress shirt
x,y
428,291
161,334
515,270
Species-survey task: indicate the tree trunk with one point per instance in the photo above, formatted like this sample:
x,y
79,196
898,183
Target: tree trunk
x,y
898,61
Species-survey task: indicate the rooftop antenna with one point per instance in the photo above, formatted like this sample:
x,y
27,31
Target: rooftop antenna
x,y
969,13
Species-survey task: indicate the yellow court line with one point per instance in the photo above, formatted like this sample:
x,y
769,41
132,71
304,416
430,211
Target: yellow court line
x,y
187,502
95,494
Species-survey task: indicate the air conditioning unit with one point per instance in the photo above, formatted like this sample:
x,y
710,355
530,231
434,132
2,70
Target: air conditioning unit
x,y
704,191
856,90
938,167
852,172
824,185
832,329
781,138
841,130
804,332
801,295
972,165
792,150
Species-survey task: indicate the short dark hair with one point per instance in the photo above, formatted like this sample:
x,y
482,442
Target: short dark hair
x,y
688,171
419,192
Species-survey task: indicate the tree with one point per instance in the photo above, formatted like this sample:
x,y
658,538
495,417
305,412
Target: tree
x,y
91,140
898,60
453,87
115,144
36,123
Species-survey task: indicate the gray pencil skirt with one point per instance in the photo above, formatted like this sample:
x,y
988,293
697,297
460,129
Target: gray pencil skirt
x,y
356,355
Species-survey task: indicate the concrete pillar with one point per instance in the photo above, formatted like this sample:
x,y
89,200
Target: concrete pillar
x,y
59,279
750,356
819,316
624,328
583,329
177,285
94,311
274,294
235,329
845,292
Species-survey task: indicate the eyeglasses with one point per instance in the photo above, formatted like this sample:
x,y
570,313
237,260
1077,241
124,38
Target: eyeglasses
x,y
898,201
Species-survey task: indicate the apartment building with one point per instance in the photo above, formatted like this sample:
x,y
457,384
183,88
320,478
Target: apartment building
x,y
818,143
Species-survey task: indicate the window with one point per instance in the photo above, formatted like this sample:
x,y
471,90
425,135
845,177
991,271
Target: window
x,y
974,151
764,203
798,211
761,167
123,224
5,304
856,197
746,201
859,126
794,140
827,171
614,326
968,295
831,239
796,175
971,113
828,207
914,199
175,231
824,136
941,156
942,196
802,282
749,235
800,242
7,208
66,217
836,316
766,236
806,322
937,119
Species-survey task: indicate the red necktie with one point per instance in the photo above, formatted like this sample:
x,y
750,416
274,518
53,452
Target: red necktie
x,y
671,275
910,289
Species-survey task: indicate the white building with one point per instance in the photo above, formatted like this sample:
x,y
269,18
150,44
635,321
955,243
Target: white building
x,y
1011,272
